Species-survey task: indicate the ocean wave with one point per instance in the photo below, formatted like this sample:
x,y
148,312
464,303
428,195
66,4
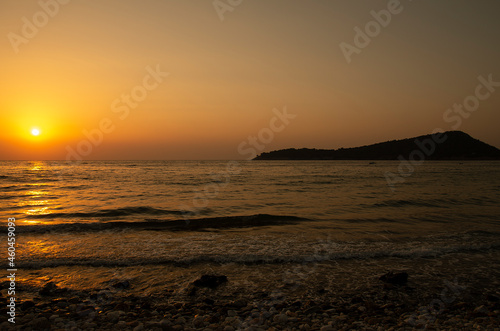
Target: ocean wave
x,y
25,187
104,213
402,203
34,179
432,203
254,259
74,187
8,197
155,224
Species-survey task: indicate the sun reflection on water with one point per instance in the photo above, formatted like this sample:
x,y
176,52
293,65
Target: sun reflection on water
x,y
38,211
37,196
30,222
33,203
37,166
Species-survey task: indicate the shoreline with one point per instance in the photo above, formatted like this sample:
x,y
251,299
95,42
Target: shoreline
x,y
447,292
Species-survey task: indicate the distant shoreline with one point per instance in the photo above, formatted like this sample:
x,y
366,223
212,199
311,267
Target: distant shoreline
x,y
382,160
447,146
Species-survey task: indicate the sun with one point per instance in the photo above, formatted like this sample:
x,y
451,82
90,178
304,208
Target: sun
x,y
35,132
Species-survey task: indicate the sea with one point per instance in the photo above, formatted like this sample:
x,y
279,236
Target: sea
x,y
160,224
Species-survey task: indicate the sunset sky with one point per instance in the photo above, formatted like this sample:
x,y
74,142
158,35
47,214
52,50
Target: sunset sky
x,y
65,69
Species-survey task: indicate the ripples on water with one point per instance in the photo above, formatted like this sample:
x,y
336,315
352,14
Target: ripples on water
x,y
101,212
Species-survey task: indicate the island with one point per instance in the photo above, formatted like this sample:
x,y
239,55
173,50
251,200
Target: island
x,y
450,145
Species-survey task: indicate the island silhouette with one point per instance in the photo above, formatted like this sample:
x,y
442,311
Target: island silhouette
x,y
450,145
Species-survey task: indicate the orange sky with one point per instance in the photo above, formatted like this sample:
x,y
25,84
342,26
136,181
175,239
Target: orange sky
x,y
71,74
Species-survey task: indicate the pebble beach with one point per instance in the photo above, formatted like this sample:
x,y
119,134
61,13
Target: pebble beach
x,y
450,292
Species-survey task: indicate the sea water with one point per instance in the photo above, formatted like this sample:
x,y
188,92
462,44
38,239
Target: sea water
x,y
78,224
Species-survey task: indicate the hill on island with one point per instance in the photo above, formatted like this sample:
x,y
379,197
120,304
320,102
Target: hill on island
x,y
451,145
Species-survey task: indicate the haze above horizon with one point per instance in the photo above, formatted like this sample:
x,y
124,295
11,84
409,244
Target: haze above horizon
x,y
208,80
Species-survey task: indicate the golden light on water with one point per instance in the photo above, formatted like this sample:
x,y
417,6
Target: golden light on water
x,y
38,211
36,166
